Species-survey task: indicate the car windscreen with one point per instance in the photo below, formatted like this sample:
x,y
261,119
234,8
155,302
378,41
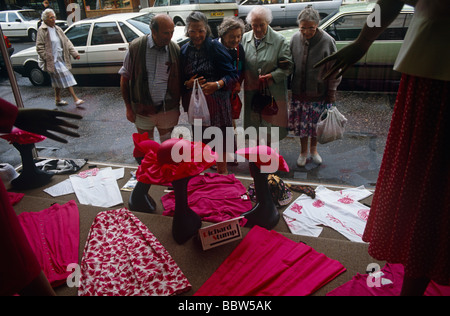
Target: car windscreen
x,y
141,22
30,15
329,16
215,1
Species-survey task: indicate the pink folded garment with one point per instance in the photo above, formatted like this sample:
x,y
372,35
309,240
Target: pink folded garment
x,y
54,236
15,198
122,257
214,197
267,263
388,282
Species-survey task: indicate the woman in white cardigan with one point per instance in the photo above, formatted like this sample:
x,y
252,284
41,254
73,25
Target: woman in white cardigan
x,y
54,50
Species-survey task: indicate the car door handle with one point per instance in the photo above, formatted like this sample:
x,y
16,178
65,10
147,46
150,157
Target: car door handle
x,y
81,51
122,48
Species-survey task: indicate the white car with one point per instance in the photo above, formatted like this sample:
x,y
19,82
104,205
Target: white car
x,y
101,42
23,23
214,10
285,12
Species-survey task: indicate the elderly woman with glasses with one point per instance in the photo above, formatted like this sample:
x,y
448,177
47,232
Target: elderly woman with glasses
x,y
310,93
267,59
208,61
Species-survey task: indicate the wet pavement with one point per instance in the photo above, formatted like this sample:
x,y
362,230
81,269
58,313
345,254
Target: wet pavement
x,y
106,135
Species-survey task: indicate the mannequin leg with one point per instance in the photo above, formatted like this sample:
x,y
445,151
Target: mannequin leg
x,y
140,200
186,222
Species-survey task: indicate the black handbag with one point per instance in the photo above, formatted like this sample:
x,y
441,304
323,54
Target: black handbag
x,y
263,102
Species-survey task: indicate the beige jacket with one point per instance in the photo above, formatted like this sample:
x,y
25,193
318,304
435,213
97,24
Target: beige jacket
x,y
44,48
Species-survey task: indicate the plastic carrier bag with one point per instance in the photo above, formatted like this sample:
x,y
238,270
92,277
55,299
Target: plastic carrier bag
x,y
331,125
198,107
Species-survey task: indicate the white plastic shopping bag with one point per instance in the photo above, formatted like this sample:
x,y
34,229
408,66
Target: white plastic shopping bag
x,y
198,107
331,126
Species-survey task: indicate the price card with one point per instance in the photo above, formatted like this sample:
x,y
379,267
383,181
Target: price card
x,y
220,233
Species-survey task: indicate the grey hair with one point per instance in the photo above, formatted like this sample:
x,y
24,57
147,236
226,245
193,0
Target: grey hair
x,y
259,11
229,24
197,16
46,13
308,14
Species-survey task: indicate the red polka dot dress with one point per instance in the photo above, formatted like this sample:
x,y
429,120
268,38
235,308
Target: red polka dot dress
x,y
409,221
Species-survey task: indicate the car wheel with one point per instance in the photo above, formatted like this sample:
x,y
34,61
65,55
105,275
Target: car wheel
x,y
32,35
37,76
179,23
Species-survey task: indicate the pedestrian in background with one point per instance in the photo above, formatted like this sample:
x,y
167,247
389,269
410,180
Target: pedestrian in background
x,y
310,93
54,50
267,58
230,33
150,80
208,61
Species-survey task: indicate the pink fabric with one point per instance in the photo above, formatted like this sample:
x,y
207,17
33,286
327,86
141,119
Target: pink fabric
x,y
214,197
158,166
22,137
18,265
54,236
142,144
267,263
359,286
264,156
8,115
15,198
122,257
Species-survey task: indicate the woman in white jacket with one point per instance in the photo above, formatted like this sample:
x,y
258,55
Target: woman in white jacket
x,y
54,50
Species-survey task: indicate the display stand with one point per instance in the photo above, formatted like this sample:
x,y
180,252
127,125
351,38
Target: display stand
x,y
140,200
265,212
186,222
31,176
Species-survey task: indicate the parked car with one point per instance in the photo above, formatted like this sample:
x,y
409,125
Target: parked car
x,y
23,23
285,12
375,70
101,42
10,50
215,10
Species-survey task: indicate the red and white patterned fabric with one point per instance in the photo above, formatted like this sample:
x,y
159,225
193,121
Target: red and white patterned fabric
x,y
122,257
410,215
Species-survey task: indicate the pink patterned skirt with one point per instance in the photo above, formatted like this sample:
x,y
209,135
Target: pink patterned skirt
x,y
409,221
123,258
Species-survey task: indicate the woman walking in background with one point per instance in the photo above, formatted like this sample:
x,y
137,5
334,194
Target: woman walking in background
x,y
54,50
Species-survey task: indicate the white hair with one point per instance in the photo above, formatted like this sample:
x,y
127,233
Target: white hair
x,y
46,13
259,11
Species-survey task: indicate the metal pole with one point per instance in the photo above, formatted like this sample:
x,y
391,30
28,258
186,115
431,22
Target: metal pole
x,y
12,79
12,76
